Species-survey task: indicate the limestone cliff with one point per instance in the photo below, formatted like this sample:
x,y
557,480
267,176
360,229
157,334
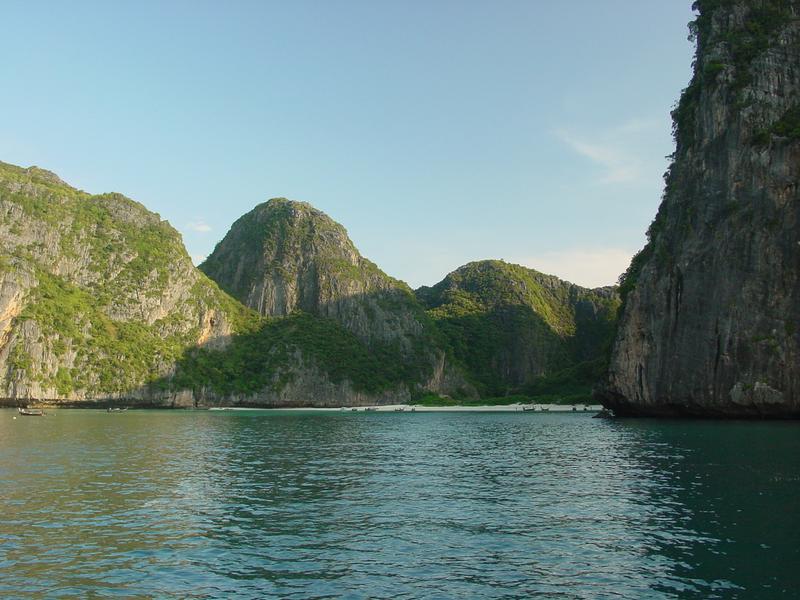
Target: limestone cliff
x,y
99,302
97,294
711,319
285,257
512,326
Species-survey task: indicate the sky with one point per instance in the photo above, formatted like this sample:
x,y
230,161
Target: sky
x,y
437,132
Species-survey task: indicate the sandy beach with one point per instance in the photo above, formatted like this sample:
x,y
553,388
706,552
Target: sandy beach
x,y
559,408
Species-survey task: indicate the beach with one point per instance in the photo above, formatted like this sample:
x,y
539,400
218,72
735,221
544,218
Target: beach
x,y
559,408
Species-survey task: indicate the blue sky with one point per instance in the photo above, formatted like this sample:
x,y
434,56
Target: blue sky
x,y
437,132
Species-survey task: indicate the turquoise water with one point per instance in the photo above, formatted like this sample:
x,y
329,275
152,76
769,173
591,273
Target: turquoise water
x,y
396,505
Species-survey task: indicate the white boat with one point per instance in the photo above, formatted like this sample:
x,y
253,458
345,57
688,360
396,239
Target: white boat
x,y
31,412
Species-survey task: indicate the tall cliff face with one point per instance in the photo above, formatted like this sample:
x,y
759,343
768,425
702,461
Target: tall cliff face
x,y
512,326
287,259
97,295
712,310
99,301
286,256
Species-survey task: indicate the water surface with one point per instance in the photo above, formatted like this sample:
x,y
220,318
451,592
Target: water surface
x,y
396,505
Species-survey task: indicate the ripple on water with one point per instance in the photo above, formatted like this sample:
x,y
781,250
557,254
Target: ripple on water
x,y
497,505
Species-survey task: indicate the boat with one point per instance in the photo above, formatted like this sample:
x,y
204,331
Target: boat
x,y
116,409
528,408
605,413
31,412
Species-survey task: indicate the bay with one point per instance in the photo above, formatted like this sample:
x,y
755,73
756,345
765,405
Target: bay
x,y
299,504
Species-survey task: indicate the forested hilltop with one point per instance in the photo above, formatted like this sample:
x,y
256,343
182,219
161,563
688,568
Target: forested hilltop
x,y
520,332
100,303
711,319
97,294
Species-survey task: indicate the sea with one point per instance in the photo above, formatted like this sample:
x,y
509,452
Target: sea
x,y
341,504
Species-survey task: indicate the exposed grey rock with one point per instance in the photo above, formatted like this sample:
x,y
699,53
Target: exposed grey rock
x,y
711,327
99,303
286,256
88,284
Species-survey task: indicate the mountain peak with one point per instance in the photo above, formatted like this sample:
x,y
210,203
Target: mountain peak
x,y
511,325
34,173
289,209
286,255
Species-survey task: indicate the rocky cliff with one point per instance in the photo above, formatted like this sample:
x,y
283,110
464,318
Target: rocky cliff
x,y
97,295
514,327
286,256
711,318
287,259
99,302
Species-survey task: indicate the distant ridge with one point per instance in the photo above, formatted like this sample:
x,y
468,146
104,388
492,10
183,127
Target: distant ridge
x,y
513,328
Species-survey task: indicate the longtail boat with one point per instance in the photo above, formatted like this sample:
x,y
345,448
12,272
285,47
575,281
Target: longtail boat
x,y
31,412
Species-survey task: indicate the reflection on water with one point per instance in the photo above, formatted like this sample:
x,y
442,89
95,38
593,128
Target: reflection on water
x,y
396,505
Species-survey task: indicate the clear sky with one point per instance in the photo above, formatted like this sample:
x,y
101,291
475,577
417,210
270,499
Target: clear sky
x,y
437,132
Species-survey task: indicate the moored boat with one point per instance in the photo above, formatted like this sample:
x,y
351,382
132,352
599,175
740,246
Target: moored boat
x,y
31,412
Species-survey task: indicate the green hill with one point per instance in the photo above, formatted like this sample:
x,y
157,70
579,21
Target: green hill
x,y
518,331
97,295
287,259
99,302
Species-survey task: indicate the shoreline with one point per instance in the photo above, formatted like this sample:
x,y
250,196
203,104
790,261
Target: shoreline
x,y
539,408
528,408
